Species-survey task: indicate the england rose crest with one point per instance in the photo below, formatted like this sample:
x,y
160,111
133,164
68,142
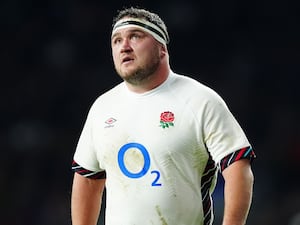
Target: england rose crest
x,y
167,119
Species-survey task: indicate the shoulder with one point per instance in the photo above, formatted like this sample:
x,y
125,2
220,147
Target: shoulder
x,y
194,90
107,99
111,94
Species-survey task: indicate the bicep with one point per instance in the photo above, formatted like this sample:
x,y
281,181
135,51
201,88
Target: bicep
x,y
237,192
82,184
239,173
86,199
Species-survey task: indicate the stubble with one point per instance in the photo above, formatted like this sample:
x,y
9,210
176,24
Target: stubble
x,y
142,73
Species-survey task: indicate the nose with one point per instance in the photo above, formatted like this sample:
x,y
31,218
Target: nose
x,y
126,47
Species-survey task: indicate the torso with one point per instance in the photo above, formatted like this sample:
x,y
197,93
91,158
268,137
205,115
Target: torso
x,y
153,169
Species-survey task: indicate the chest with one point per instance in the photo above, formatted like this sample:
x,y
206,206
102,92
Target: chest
x,y
133,137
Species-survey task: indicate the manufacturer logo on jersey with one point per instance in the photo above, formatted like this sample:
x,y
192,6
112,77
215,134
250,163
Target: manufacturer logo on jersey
x,y
110,122
167,119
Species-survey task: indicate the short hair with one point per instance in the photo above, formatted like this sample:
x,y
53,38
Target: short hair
x,y
134,12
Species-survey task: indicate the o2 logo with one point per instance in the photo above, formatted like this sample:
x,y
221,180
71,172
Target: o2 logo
x,y
146,165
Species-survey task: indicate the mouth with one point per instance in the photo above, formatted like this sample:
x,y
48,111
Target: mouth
x,y
127,59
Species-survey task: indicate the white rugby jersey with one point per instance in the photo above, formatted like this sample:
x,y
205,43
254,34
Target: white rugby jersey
x,y
159,150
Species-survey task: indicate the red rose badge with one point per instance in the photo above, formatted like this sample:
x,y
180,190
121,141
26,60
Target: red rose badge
x,y
166,119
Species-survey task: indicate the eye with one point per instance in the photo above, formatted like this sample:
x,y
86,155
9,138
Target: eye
x,y
136,36
116,40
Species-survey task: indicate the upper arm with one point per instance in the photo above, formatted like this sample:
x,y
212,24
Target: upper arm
x,y
222,132
82,184
86,199
239,171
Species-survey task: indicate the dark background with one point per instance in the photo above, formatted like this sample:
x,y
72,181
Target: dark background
x,y
56,59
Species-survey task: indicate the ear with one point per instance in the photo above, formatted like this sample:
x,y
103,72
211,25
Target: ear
x,y
163,50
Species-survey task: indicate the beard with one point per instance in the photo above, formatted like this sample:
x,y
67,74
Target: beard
x,y
142,73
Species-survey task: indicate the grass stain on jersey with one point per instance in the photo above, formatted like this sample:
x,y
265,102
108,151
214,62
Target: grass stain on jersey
x,y
199,160
134,160
162,219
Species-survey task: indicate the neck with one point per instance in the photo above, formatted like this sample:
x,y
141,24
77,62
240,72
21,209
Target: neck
x,y
152,81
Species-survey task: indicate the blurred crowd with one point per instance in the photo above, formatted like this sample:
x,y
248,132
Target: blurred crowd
x,y
56,59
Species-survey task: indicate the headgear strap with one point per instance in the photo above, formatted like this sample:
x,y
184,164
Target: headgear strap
x,y
146,26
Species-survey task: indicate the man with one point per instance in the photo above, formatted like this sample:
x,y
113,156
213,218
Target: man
x,y
156,140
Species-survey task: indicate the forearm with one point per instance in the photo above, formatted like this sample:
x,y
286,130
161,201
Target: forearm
x,y
86,200
237,193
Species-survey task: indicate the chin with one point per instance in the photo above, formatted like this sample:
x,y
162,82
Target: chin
x,y
127,74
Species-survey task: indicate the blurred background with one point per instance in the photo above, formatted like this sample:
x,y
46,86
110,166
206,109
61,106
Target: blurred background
x,y
56,59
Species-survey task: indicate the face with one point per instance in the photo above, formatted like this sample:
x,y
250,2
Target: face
x,y
136,54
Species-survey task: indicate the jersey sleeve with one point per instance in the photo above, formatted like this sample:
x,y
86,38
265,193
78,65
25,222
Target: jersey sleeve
x,y
222,133
85,153
87,173
244,153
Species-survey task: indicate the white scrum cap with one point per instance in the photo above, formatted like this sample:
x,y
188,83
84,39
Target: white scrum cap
x,y
158,33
